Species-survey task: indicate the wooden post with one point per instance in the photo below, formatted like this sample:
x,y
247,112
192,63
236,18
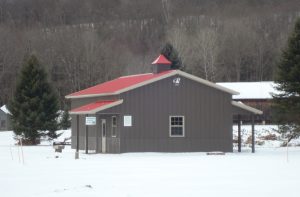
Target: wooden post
x,y
86,138
239,134
253,134
77,136
97,134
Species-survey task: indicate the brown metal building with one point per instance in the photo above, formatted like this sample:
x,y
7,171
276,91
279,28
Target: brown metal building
x,y
165,111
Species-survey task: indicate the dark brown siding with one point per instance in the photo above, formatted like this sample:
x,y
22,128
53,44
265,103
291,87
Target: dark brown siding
x,y
95,133
207,112
82,132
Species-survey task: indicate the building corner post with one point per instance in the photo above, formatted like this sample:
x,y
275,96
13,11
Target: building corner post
x,y
239,134
253,134
86,138
77,137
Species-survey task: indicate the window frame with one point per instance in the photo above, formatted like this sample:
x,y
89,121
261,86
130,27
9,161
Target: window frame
x,y
170,125
114,127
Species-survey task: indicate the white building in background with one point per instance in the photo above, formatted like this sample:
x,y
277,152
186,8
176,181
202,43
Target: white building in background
x,y
255,94
5,115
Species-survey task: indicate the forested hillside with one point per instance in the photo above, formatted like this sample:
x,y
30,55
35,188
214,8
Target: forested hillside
x,y
85,42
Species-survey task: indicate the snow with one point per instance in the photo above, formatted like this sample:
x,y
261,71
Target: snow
x,y
265,173
262,131
251,90
5,110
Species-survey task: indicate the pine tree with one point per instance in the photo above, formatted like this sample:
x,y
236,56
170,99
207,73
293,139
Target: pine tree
x,y
34,106
287,101
65,122
171,54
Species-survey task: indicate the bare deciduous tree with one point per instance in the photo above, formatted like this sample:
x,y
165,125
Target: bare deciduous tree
x,y
82,43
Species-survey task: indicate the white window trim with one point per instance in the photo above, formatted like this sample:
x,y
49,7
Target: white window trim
x,y
112,126
183,126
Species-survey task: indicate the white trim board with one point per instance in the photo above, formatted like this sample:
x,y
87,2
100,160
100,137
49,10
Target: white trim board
x,y
94,111
206,82
90,95
246,107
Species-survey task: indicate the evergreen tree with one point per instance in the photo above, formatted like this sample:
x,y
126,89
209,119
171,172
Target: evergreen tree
x,y
287,101
172,55
34,106
65,122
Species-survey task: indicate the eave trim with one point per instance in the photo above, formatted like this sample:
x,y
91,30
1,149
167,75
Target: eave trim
x,y
246,107
208,83
90,95
94,111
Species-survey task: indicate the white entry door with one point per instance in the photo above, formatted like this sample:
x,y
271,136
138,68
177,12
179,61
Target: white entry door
x,y
103,128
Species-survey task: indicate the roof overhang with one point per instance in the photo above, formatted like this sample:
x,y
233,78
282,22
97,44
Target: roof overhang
x,y
246,107
90,95
5,110
93,108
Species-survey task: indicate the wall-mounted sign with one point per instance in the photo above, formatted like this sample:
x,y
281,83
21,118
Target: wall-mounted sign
x,y
176,81
127,121
90,120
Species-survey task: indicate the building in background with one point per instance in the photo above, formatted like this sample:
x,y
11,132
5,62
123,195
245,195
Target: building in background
x,y
5,119
254,94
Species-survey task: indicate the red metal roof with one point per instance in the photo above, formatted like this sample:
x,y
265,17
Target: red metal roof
x,y
95,107
113,86
162,60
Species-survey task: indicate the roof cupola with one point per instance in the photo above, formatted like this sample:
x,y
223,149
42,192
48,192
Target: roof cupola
x,y
161,63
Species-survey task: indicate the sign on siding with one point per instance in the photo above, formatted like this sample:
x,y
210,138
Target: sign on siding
x,y
127,121
176,81
90,120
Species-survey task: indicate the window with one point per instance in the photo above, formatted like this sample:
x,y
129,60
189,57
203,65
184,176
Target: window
x,y
113,126
176,126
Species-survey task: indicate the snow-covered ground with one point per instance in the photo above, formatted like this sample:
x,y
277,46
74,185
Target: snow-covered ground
x,y
263,132
265,173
